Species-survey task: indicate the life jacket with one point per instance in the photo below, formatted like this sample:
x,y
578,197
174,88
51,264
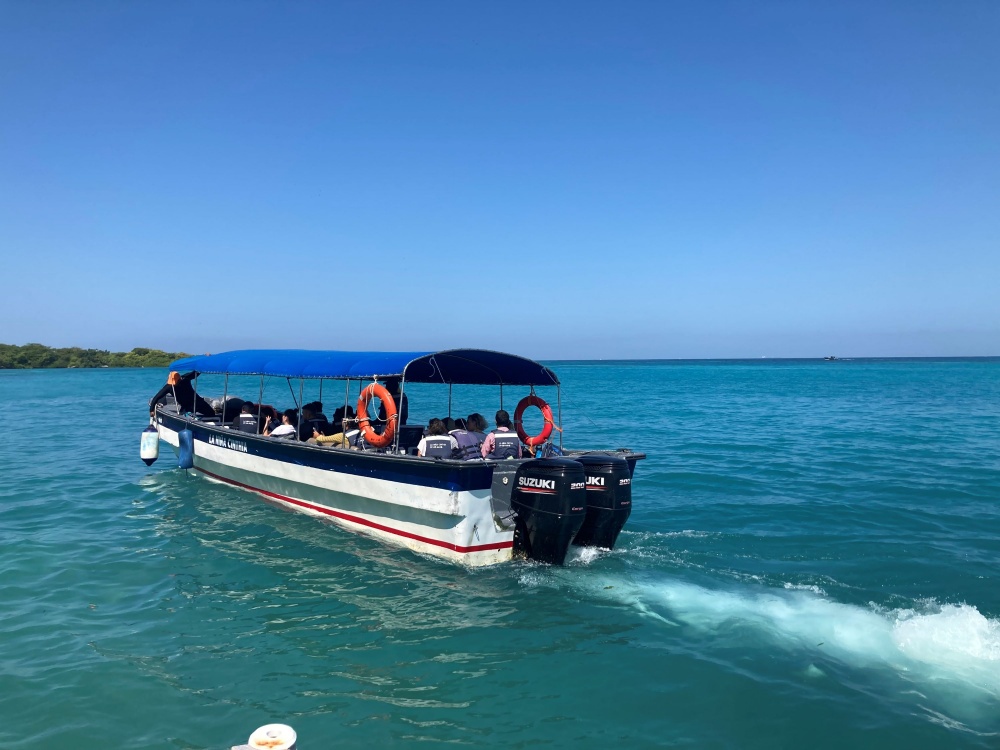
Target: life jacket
x,y
468,445
438,446
505,445
246,423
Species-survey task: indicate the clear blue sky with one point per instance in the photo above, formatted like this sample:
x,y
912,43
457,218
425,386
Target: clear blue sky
x,y
644,179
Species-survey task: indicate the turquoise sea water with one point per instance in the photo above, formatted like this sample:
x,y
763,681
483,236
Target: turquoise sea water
x,y
812,561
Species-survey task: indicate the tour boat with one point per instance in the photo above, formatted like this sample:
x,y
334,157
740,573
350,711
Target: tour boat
x,y
477,512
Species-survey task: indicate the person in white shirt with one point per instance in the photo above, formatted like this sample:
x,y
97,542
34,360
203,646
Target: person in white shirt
x,y
287,427
437,443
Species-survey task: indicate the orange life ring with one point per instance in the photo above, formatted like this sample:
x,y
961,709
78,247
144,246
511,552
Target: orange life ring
x,y
364,421
541,437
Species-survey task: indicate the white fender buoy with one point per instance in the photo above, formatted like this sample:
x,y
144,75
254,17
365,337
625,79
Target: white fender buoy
x,y
149,445
273,737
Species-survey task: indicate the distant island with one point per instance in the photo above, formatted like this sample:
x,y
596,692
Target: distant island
x,y
32,356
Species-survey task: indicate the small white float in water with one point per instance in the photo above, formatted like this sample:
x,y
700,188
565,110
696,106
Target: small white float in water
x,y
270,737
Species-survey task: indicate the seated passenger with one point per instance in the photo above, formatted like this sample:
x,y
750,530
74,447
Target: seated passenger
x,y
287,427
306,425
503,442
347,439
476,424
468,442
449,424
315,419
262,411
337,439
247,420
342,413
230,409
438,443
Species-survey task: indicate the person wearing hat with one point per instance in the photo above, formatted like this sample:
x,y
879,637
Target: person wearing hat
x,y
179,386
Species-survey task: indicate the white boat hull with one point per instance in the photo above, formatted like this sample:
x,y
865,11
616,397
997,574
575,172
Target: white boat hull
x,y
457,525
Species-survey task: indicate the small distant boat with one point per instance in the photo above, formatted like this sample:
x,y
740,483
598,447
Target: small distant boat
x,y
477,512
830,359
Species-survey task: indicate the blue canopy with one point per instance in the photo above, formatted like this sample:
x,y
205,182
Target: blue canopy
x,y
454,366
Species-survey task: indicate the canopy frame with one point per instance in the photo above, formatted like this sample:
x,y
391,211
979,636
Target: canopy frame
x,y
449,366
446,367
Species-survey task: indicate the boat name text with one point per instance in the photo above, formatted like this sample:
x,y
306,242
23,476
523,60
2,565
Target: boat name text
x,y
225,442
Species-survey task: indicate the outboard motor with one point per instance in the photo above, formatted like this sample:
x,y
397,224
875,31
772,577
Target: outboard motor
x,y
609,499
149,445
550,499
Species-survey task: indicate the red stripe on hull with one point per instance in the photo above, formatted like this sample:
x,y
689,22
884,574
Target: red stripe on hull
x,y
361,521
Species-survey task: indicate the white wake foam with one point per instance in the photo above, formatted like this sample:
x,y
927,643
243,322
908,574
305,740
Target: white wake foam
x,y
950,642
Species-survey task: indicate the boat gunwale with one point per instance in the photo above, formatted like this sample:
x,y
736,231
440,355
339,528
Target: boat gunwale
x,y
405,458
327,449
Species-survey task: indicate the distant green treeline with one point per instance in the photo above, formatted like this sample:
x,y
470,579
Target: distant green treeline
x,y
37,355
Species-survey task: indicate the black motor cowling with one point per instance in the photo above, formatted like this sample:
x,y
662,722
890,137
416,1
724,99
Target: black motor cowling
x,y
550,499
609,499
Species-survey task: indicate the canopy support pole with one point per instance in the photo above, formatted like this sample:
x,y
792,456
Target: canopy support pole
x,y
260,399
559,414
298,427
225,395
501,395
449,399
399,413
347,400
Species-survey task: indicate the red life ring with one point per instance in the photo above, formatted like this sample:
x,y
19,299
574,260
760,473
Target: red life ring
x,y
364,422
541,437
